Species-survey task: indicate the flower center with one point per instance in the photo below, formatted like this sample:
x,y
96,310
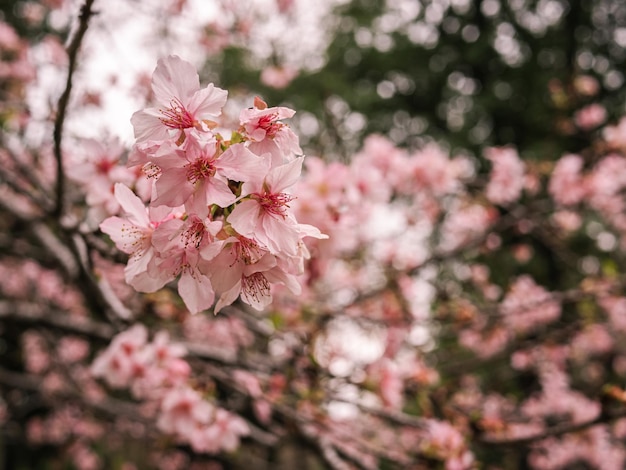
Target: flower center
x,y
274,203
248,251
199,170
269,125
193,235
256,286
176,116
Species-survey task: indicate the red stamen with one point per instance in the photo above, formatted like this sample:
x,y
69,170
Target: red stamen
x,y
199,170
176,116
255,286
276,203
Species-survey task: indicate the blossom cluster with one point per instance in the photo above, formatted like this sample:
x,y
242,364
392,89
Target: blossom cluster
x,y
155,371
218,216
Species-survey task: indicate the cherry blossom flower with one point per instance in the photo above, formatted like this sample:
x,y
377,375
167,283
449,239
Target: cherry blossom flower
x,y
263,215
590,116
506,179
616,135
199,176
184,412
96,169
566,182
179,243
183,105
133,235
119,362
444,442
243,268
278,77
266,134
527,306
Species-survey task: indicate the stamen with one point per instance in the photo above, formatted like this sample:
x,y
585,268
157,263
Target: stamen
x,y
151,170
199,170
255,286
193,235
274,203
176,116
269,125
248,251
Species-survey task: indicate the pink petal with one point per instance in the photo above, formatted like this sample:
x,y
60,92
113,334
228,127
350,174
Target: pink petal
x,y
284,176
279,235
240,164
174,78
228,297
196,291
132,205
245,216
148,126
208,101
125,235
218,192
172,188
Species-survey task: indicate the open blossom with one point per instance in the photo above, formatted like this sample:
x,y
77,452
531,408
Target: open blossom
x,y
198,176
149,369
179,243
97,170
278,77
443,441
566,183
192,419
133,235
182,104
590,117
244,269
528,306
262,126
616,135
263,216
118,363
506,179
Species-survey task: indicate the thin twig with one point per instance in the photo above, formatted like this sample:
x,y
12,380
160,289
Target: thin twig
x,y
72,51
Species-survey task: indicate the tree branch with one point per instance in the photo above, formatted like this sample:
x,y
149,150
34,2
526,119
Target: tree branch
x,y
72,51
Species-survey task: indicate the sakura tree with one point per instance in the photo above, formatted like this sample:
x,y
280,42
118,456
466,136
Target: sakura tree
x,y
212,293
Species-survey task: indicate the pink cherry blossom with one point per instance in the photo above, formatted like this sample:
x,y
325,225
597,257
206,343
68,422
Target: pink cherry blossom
x,y
179,243
198,177
590,116
266,134
133,235
96,169
278,77
183,105
119,362
527,306
566,183
263,215
616,135
243,268
184,413
506,180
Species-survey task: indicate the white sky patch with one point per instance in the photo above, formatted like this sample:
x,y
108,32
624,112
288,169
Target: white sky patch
x,y
385,221
347,344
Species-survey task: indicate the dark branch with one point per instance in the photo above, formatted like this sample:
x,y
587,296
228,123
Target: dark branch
x,y
72,51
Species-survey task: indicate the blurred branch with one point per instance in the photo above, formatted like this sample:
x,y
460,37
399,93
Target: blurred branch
x,y
556,430
109,406
38,314
72,51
